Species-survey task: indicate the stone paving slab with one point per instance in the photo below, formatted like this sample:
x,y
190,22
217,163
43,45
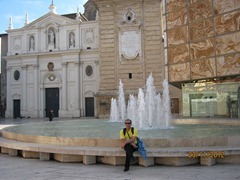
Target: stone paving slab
x,y
23,169
15,168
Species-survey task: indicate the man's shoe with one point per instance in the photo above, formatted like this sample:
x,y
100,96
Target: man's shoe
x,y
125,169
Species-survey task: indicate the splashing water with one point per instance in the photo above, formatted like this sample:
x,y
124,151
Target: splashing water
x,y
149,110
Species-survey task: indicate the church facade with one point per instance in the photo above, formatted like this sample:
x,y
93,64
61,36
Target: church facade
x,y
52,64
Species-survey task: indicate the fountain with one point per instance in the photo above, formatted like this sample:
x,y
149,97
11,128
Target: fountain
x,y
149,110
94,140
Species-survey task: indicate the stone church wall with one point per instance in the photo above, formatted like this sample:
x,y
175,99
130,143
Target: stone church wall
x,y
114,64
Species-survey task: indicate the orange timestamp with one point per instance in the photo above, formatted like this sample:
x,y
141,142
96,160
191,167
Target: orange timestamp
x,y
206,154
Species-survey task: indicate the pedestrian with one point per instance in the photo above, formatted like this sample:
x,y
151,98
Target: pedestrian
x,y
50,115
128,137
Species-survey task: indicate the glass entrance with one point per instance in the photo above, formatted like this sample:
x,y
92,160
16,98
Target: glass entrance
x,y
211,99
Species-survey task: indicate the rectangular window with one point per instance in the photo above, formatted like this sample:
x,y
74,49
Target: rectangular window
x,y
130,75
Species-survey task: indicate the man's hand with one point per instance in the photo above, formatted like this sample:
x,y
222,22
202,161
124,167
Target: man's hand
x,y
122,145
134,145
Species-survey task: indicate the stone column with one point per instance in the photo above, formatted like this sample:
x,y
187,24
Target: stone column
x,y
41,101
81,89
9,96
64,86
77,85
24,88
36,88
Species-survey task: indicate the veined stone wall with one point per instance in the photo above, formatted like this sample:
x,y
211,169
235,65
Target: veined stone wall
x,y
115,64
203,39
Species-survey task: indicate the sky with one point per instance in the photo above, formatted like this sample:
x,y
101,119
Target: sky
x,y
17,10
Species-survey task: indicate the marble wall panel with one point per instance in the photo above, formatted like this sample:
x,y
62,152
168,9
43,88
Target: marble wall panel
x,y
201,29
200,10
175,4
177,18
202,49
178,35
178,54
179,72
228,64
228,43
222,6
227,22
203,68
193,1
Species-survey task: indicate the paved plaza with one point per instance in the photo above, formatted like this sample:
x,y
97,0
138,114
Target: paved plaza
x,y
18,168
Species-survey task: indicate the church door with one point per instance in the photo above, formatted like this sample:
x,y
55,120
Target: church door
x,y
52,101
16,108
89,105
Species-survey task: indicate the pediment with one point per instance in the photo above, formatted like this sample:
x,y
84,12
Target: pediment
x,y
48,19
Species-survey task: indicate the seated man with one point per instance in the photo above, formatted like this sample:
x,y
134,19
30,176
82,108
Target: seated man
x,y
128,138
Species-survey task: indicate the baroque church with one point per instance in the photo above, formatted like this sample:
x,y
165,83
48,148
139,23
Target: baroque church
x,y
72,64
53,64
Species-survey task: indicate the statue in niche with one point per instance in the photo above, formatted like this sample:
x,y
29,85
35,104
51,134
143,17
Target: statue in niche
x,y
51,37
32,44
71,40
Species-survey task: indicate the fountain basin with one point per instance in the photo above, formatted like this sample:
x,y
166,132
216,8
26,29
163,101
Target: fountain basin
x,y
101,133
97,141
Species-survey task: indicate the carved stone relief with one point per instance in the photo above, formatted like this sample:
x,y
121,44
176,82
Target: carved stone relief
x,y
177,54
17,43
179,72
178,18
202,49
178,35
129,35
227,22
173,4
228,64
221,6
228,43
203,68
89,36
200,10
201,29
130,44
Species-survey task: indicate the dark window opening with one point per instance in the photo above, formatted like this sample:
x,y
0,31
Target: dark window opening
x,y
88,47
130,75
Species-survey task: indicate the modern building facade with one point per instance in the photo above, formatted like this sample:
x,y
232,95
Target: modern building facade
x,y
73,66
202,48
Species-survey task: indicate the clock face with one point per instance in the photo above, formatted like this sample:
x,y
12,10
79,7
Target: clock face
x,y
16,75
89,70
